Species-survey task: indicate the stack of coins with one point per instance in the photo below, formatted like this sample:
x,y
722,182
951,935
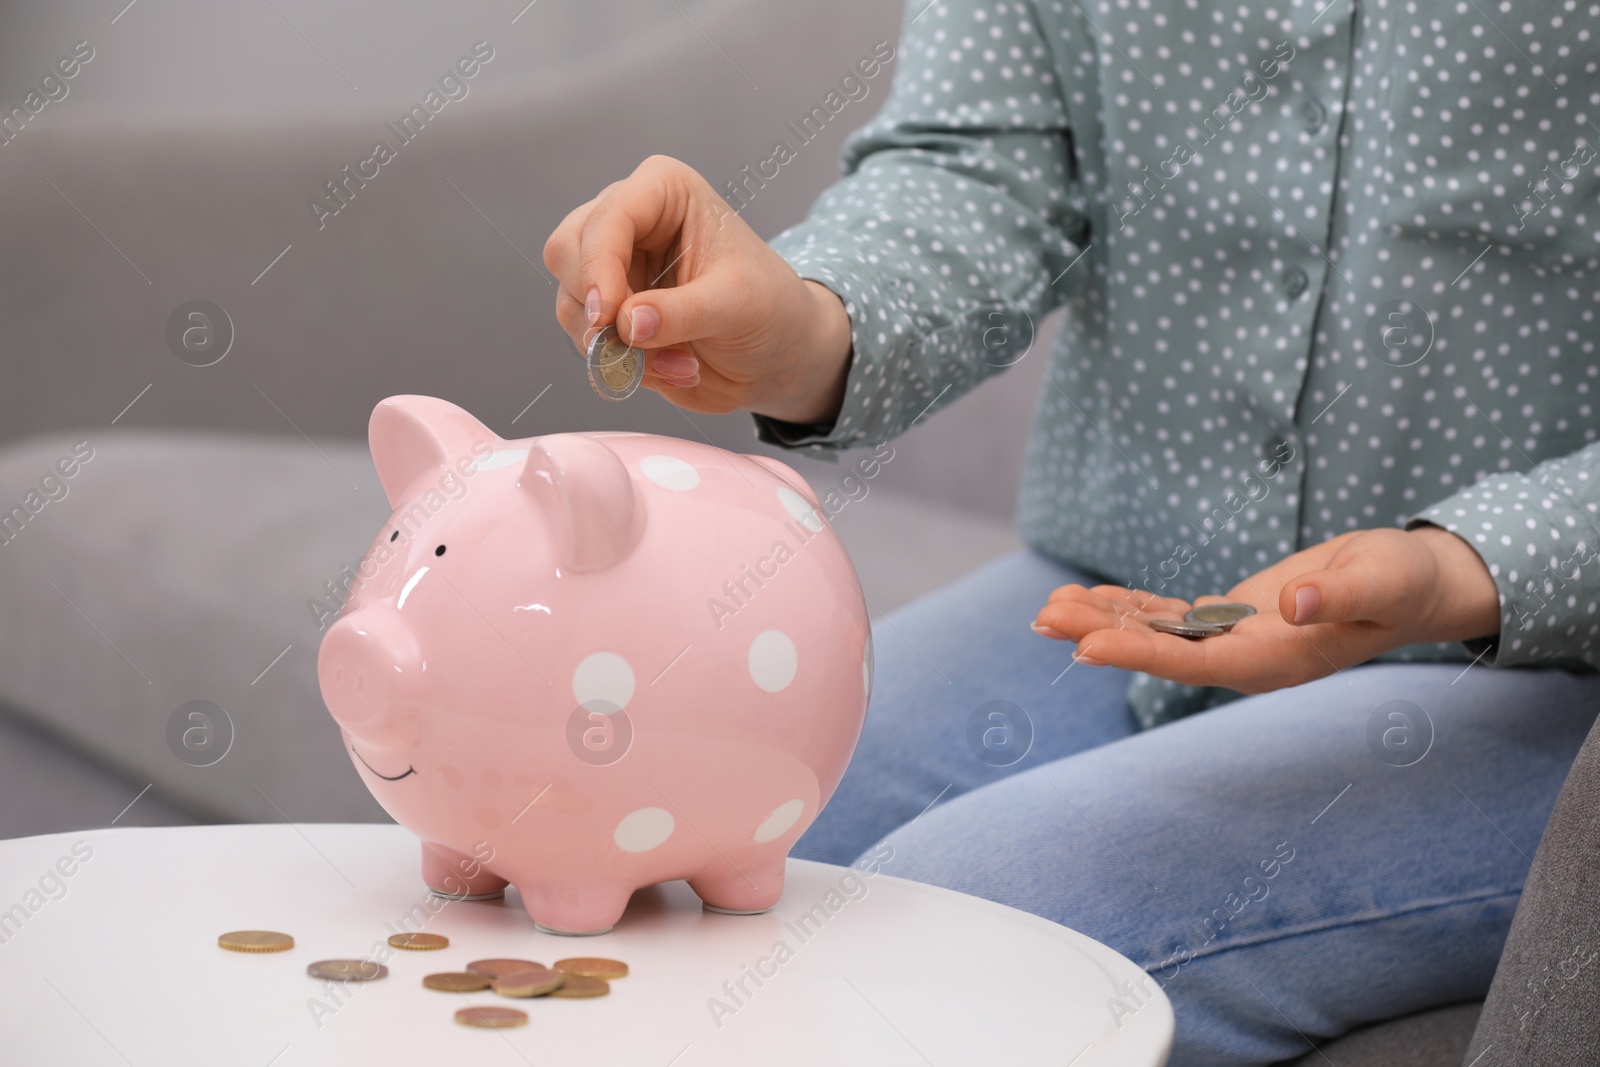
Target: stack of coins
x,y
589,976
1207,620
534,982
569,979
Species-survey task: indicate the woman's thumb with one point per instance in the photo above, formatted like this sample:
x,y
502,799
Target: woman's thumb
x,y
1356,591
662,318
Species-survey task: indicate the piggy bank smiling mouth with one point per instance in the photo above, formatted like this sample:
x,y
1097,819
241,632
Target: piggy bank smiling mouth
x,y
409,771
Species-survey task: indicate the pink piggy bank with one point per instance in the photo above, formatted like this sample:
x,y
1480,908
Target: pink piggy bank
x,y
589,662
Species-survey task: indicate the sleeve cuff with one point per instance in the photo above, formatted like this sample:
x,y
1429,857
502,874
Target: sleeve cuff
x,y
1484,650
860,421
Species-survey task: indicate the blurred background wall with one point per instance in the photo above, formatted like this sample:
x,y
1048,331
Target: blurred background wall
x,y
177,164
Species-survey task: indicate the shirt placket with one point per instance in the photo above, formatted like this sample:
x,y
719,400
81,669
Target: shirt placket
x,y
1315,101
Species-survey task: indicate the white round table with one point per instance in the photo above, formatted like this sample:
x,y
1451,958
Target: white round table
x,y
108,955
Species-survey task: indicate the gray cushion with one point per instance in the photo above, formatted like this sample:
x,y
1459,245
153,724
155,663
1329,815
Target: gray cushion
x,y
1544,1004
1435,1038
177,567
52,787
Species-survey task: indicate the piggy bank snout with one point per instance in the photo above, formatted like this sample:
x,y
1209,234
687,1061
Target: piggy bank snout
x,y
364,662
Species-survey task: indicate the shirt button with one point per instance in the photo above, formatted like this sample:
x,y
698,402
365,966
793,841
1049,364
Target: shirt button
x,y
1295,282
1316,116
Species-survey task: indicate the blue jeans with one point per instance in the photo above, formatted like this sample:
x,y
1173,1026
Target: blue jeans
x,y
1287,866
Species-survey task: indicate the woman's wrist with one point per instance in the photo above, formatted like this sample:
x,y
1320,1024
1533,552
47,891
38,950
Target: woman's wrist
x,y
813,392
1466,604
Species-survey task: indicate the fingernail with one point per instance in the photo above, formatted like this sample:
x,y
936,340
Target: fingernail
x,y
643,323
1046,631
591,306
1089,661
675,364
682,383
1306,603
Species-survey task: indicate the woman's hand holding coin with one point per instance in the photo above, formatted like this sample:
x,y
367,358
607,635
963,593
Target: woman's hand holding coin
x,y
1331,606
721,320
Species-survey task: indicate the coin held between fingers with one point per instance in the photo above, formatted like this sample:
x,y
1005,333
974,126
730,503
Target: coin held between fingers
x,y
615,369
1191,630
1223,615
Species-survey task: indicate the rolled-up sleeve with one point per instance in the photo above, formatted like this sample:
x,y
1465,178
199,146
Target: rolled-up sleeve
x,y
1538,532
947,237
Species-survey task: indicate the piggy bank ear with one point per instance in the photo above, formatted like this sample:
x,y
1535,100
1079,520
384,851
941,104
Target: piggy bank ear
x,y
417,436
585,488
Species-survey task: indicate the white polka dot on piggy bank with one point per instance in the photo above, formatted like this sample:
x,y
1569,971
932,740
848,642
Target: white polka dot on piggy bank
x,y
619,659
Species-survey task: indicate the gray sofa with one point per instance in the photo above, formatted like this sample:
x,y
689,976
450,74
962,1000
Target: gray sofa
x,y
178,562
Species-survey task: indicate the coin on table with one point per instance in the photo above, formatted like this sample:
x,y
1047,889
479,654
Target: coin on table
x,y
497,968
592,967
457,982
255,941
348,970
582,985
1185,629
615,370
419,942
1223,615
534,983
491,1018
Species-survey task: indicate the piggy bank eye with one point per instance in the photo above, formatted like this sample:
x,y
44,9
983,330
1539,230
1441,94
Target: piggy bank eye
x,y
394,536
439,551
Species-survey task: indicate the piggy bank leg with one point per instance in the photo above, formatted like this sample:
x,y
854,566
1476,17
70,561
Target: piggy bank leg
x,y
749,890
448,873
574,909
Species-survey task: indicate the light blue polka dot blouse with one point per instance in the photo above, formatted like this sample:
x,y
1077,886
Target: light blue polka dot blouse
x,y
1325,266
